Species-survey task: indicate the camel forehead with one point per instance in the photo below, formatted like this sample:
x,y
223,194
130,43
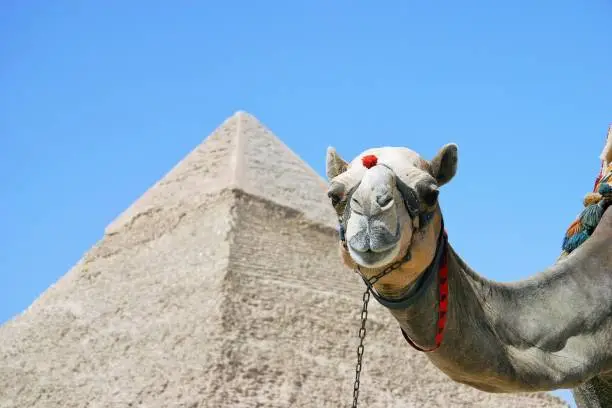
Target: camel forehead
x,y
392,155
403,161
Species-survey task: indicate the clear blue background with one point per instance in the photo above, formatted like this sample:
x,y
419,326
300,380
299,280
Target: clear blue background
x,y
100,99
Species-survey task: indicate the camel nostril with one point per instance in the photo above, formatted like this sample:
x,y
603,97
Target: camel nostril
x,y
360,243
384,200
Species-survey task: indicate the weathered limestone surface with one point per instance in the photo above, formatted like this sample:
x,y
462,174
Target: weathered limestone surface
x,y
220,287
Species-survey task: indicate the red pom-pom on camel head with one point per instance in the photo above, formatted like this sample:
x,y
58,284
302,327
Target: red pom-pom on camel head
x,y
369,161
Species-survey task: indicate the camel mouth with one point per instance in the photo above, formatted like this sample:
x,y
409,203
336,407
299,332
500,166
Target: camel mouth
x,y
374,259
375,246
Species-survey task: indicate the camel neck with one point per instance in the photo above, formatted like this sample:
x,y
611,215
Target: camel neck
x,y
470,349
542,333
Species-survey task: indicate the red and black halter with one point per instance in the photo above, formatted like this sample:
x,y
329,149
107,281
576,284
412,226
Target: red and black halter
x,y
437,268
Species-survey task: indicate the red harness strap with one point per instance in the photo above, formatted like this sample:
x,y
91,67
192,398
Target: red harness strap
x,y
442,305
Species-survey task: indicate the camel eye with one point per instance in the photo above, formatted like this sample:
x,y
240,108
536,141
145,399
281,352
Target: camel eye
x,y
431,197
336,193
428,193
334,197
338,202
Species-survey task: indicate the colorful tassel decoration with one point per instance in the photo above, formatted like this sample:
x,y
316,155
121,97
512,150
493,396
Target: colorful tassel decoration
x,y
591,198
573,229
590,216
595,204
605,189
575,241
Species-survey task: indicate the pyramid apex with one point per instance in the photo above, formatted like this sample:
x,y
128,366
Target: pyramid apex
x,y
242,114
266,167
240,154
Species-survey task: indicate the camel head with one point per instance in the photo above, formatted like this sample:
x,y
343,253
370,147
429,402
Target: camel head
x,y
387,202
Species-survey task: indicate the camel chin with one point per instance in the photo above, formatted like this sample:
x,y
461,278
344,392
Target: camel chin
x,y
371,259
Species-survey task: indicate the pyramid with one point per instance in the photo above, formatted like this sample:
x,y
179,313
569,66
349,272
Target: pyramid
x,y
220,287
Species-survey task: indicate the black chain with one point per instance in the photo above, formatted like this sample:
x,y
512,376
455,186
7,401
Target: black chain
x,y
362,329
362,334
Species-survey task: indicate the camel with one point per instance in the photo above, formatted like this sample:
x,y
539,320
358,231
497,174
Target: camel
x,y
547,332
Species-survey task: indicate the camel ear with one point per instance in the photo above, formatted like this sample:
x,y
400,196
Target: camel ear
x,y
334,164
444,165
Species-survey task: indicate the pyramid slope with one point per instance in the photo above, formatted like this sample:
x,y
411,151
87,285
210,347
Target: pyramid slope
x,y
223,298
125,321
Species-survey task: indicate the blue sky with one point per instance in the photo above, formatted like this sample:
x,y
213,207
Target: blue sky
x,y
100,99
